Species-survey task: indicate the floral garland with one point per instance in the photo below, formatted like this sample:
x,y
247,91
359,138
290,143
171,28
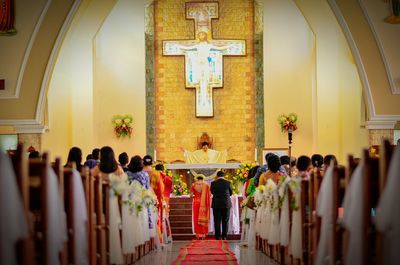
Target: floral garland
x,y
286,183
264,195
259,197
288,122
270,189
134,195
123,125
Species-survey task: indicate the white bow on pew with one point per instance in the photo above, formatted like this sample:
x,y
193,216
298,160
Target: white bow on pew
x,y
388,214
353,215
13,225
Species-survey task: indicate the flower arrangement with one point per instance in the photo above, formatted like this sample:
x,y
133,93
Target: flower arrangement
x,y
118,184
180,187
134,197
149,198
239,176
288,122
243,171
123,125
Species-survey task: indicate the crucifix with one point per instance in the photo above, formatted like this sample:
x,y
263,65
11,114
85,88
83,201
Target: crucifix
x,y
203,55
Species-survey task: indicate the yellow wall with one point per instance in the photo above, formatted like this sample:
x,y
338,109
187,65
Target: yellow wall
x,y
308,65
99,73
234,113
288,74
119,77
339,91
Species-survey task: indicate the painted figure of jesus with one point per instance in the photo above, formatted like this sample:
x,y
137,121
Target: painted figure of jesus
x,y
202,68
203,55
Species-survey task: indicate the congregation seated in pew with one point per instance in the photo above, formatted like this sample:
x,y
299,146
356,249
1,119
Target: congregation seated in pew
x,y
306,218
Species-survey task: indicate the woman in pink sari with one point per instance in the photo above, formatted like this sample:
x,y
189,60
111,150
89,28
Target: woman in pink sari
x,y
200,192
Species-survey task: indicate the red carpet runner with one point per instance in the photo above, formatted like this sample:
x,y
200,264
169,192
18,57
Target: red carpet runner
x,y
212,252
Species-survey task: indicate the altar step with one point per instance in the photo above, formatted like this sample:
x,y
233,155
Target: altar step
x,y
180,216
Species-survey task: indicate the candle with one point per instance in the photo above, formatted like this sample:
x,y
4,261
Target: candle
x,y
255,154
155,155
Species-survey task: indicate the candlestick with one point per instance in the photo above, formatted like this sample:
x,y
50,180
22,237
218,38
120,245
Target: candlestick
x,y
155,155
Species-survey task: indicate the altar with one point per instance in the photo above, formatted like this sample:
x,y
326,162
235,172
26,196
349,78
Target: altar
x,y
209,170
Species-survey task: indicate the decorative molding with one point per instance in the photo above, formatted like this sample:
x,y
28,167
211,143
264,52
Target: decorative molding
x,y
373,118
28,53
395,89
18,122
32,125
31,128
387,122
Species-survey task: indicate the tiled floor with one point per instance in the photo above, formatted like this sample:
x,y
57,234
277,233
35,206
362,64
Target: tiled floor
x,y
244,255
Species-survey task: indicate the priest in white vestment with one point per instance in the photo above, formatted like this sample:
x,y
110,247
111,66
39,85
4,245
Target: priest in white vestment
x,y
205,155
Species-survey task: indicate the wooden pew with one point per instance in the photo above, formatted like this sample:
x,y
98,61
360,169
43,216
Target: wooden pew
x,y
371,196
337,229
105,185
315,221
100,231
25,248
88,186
58,169
385,155
352,164
38,205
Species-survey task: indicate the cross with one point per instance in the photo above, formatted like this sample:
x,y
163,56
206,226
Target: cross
x,y
203,55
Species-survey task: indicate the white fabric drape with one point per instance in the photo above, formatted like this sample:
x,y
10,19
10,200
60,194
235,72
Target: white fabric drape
x,y
324,210
80,219
57,226
234,220
115,224
128,225
284,218
353,216
388,214
13,225
296,247
274,229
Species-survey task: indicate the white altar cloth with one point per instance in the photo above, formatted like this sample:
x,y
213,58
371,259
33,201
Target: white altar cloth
x,y
234,219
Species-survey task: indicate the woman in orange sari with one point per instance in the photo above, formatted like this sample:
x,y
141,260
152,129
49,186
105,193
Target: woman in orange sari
x,y
200,192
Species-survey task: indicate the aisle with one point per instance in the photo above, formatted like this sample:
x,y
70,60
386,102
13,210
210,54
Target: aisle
x,y
215,252
169,254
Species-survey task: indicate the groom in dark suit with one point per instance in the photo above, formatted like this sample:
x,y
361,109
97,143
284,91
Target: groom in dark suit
x,y
221,190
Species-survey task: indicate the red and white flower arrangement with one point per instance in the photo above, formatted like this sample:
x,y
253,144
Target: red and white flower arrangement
x,y
288,122
123,125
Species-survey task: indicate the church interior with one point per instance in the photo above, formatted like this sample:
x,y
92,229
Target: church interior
x,y
162,79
